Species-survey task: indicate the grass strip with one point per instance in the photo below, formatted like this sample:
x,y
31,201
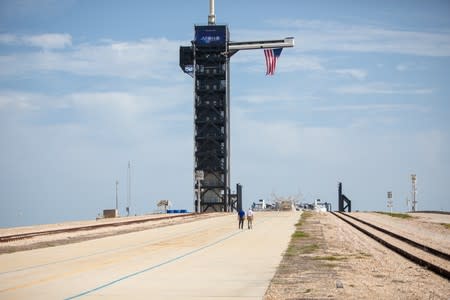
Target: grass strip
x,y
299,234
331,258
309,248
396,215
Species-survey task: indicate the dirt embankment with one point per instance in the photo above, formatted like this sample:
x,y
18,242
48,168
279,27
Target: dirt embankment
x,y
328,259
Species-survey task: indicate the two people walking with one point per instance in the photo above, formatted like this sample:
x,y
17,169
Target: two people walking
x,y
241,217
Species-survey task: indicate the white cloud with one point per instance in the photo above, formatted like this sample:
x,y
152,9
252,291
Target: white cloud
x,y
130,104
373,108
382,88
257,98
401,67
335,36
354,73
294,156
147,58
143,100
411,66
295,63
370,122
49,40
19,101
81,159
289,61
8,39
129,115
44,41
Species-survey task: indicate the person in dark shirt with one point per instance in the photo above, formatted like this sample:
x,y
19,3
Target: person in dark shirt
x,y
241,216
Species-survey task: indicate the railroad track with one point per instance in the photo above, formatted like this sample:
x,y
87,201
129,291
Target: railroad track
x,y
27,235
423,255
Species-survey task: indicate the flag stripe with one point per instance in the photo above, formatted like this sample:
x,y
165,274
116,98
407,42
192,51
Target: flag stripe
x,y
268,54
271,59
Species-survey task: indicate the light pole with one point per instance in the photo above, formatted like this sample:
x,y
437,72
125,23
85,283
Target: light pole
x,y
414,191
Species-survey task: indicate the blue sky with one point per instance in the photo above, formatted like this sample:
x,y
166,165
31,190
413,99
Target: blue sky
x,y
86,86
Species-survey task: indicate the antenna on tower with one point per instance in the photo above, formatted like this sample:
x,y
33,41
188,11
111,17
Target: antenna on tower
x,y
211,16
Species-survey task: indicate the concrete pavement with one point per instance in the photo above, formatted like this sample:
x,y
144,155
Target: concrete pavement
x,y
203,259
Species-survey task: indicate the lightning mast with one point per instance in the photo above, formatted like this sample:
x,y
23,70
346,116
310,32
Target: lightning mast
x,y
211,16
129,188
207,60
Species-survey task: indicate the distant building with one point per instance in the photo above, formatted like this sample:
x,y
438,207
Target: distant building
x,y
163,205
260,205
322,206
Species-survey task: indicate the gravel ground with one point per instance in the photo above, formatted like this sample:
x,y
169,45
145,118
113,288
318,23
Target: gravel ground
x,y
421,227
332,260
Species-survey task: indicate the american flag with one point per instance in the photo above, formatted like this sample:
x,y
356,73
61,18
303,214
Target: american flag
x,y
271,59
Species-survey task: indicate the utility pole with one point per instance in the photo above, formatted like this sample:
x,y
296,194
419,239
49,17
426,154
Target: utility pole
x,y
389,202
414,191
128,189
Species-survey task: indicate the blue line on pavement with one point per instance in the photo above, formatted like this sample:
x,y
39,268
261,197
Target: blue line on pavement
x,y
151,268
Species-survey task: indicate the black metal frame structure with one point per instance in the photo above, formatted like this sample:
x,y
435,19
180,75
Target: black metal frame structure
x,y
207,60
208,63
344,202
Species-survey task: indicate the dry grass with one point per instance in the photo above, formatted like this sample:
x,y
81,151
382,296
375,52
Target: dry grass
x,y
299,234
293,274
446,225
396,215
309,248
331,257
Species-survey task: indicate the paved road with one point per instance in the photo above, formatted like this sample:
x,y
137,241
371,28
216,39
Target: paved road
x,y
203,259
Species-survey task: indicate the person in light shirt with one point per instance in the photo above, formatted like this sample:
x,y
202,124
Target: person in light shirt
x,y
250,218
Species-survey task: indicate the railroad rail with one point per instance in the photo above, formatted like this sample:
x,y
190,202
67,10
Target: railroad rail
x,y
27,235
439,270
404,239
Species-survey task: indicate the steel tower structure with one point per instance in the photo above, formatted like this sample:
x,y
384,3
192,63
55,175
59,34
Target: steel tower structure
x,y
207,60
343,202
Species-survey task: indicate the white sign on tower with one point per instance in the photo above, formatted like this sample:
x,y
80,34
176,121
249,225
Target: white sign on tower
x,y
199,176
